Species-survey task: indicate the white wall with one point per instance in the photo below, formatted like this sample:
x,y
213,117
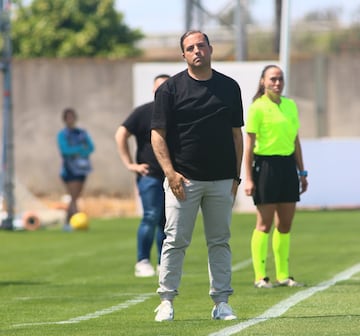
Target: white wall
x,y
334,176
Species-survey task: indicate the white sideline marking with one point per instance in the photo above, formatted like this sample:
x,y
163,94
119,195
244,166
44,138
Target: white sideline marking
x,y
281,307
126,304
138,299
241,265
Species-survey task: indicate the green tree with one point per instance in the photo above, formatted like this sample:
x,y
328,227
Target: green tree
x,y
71,28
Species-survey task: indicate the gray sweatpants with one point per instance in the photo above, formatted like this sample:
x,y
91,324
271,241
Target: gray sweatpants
x,y
215,200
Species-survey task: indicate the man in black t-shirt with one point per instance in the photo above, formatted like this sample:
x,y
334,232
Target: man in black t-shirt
x,y
197,139
149,179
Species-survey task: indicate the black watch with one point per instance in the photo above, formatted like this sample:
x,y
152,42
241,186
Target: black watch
x,y
237,179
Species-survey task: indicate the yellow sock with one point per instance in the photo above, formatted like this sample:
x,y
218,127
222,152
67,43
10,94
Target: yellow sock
x,y
281,250
259,251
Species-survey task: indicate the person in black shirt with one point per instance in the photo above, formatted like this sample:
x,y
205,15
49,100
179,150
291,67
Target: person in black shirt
x,y
149,179
197,139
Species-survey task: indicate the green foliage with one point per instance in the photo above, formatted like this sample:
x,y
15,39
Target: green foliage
x,y
82,283
71,28
308,42
347,40
317,32
327,42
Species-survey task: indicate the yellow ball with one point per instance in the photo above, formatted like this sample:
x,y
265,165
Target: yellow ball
x,y
79,221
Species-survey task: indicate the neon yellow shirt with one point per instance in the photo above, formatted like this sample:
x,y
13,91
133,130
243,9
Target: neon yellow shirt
x,y
275,126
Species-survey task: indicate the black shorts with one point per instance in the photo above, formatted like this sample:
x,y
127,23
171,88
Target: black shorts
x,y
276,179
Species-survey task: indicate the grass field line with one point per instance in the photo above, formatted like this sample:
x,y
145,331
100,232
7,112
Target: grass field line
x,y
283,306
138,299
47,297
241,265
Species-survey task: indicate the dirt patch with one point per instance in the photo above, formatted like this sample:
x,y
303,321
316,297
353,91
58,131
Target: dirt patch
x,y
102,206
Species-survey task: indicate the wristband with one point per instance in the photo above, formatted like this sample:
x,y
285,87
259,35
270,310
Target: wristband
x,y
237,179
303,173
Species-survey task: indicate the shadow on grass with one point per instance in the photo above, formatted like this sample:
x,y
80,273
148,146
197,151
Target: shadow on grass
x,y
21,283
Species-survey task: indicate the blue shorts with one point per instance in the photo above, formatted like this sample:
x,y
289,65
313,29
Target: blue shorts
x,y
67,176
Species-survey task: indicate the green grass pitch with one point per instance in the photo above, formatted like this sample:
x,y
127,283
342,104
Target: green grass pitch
x,y
82,283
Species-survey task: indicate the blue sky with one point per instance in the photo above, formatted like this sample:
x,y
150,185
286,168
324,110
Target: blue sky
x,y
161,16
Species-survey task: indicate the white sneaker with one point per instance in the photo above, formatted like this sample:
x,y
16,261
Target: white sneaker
x,y
143,269
289,282
164,311
67,227
223,311
263,283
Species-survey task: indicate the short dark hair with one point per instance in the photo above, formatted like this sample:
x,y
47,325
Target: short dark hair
x,y
162,76
190,32
68,110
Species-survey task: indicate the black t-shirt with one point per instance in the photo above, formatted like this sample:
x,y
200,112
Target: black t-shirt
x,y
198,117
138,124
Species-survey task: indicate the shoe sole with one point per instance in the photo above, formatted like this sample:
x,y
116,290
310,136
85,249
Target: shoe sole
x,y
165,320
144,276
227,318
264,287
293,286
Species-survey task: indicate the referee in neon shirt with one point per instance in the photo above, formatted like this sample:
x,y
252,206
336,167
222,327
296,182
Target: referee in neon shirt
x,y
275,174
